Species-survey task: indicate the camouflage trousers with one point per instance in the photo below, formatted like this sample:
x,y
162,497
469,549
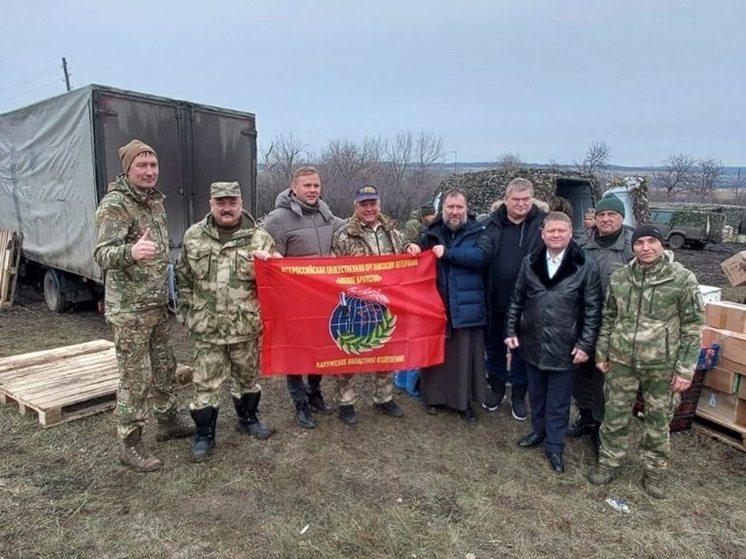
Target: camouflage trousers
x,y
383,388
212,365
146,368
661,401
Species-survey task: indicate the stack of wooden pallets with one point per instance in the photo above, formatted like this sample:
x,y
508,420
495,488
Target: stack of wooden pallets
x,y
10,256
63,384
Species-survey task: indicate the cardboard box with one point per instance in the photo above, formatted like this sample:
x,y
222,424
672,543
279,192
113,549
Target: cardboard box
x,y
726,316
742,388
732,344
718,405
722,380
733,269
710,293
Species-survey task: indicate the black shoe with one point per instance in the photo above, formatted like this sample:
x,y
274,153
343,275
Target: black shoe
x,y
303,415
583,425
555,460
432,410
317,404
468,415
518,402
496,397
531,440
389,408
204,433
246,410
348,414
595,437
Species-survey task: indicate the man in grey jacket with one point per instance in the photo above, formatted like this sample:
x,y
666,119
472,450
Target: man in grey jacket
x,y
303,225
609,243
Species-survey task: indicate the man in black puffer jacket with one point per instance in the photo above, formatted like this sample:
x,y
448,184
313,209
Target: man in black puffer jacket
x,y
554,316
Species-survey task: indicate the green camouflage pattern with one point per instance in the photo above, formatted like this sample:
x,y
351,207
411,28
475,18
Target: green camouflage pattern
x,y
146,365
661,402
652,318
383,388
356,240
121,219
213,363
413,228
217,295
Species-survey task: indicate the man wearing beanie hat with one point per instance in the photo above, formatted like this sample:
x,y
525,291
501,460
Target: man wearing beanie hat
x,y
132,247
609,243
418,220
650,339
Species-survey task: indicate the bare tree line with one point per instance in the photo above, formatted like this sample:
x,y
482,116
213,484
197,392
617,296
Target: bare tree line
x,y
404,168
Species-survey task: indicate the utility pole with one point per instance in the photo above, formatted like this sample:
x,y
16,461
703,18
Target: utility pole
x,y
67,74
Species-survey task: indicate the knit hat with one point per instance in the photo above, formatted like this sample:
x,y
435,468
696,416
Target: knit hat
x,y
427,209
610,203
647,231
225,190
128,153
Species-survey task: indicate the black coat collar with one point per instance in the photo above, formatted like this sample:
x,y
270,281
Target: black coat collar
x,y
572,261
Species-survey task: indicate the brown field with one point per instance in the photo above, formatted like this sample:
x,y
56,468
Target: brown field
x,y
419,487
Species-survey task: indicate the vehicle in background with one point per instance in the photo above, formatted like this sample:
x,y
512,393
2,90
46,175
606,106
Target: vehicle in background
x,y
692,228
58,156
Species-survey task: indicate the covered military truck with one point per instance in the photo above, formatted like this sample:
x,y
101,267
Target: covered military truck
x,y
58,156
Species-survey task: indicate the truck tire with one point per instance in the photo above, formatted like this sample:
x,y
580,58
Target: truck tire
x,y
676,241
53,296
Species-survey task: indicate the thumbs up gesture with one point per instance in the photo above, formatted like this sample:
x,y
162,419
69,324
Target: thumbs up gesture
x,y
144,248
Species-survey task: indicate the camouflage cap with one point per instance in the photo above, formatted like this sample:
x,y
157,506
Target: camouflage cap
x,y
225,190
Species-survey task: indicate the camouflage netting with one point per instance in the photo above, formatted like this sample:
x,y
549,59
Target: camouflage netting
x,y
734,216
638,189
486,187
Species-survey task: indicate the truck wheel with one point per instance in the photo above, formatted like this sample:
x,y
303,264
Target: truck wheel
x,y
676,241
53,296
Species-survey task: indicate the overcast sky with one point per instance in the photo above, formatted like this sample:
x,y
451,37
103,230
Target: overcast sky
x,y
542,79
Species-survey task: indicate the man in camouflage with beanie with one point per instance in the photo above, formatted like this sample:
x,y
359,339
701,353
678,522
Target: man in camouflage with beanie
x,y
418,220
218,303
650,338
132,248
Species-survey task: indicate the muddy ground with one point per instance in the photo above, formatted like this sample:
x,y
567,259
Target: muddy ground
x,y
422,486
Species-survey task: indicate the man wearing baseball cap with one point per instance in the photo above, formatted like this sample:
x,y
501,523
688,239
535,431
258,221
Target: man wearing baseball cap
x,y
650,339
132,247
218,302
369,233
609,243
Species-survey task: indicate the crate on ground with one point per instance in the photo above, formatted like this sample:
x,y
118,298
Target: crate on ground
x,y
730,434
722,380
684,414
725,315
734,269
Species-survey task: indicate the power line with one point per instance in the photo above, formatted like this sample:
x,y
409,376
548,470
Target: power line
x,y
38,87
29,80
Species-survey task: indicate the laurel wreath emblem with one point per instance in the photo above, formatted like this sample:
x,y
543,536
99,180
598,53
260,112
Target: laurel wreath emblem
x,y
352,343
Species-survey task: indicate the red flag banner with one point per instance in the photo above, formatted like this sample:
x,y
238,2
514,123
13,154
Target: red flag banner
x,y
350,315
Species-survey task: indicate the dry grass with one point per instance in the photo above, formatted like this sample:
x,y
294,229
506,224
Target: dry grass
x,y
420,487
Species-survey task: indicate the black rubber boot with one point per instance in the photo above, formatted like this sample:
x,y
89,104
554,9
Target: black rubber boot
x,y
248,422
204,433
317,404
303,415
583,424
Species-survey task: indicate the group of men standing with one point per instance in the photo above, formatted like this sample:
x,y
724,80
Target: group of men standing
x,y
524,306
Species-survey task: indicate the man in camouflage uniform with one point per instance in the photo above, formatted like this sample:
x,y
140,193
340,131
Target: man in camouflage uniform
x,y
218,303
132,247
650,338
418,220
369,233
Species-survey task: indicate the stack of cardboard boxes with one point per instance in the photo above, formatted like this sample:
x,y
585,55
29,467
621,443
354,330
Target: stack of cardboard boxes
x,y
723,398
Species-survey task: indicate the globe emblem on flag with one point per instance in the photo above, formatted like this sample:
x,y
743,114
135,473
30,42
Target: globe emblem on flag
x,y
361,321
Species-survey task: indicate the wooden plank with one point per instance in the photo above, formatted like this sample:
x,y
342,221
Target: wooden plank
x,y
58,369
48,355
52,378
83,412
727,424
734,441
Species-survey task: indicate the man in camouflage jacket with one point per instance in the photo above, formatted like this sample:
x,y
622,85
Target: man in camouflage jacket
x,y
650,338
132,248
218,303
368,233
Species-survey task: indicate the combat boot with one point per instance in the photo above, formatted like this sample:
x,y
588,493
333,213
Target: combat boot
x,y
136,456
583,425
653,484
303,415
348,414
171,426
602,475
204,434
248,422
317,404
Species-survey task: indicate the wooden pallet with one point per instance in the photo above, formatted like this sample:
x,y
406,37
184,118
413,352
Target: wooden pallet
x,y
62,384
10,256
724,431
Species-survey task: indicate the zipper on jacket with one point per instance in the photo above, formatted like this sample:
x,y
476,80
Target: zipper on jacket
x,y
637,321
